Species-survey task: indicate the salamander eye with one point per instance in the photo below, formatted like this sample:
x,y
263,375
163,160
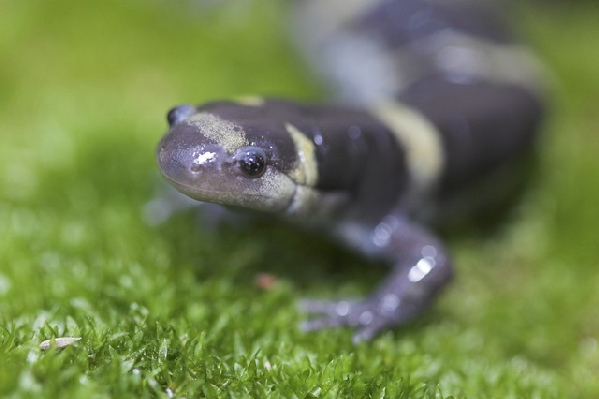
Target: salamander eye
x,y
251,161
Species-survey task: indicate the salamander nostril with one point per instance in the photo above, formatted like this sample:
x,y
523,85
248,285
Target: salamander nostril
x,y
180,113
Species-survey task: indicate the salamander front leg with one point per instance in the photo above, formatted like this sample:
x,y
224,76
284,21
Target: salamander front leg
x,y
421,268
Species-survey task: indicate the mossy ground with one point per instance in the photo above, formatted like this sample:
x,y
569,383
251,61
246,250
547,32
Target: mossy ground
x,y
172,310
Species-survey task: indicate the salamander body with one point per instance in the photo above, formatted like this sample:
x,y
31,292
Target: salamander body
x,y
436,100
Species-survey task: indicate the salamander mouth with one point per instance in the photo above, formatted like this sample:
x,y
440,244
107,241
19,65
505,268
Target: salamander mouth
x,y
191,191
272,193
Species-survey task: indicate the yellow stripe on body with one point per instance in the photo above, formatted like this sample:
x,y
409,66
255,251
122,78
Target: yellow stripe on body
x,y
419,138
252,101
329,16
463,57
510,64
305,171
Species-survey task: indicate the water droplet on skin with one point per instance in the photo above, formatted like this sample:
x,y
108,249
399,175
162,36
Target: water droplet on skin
x,y
429,250
420,270
318,139
389,303
365,318
343,308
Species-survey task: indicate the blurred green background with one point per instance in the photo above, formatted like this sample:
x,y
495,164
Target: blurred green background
x,y
172,310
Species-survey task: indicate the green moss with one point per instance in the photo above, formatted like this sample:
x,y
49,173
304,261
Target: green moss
x,y
173,309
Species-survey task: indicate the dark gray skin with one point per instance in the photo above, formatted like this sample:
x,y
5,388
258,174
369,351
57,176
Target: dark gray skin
x,y
372,176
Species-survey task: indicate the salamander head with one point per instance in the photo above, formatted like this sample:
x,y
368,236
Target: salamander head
x,y
229,154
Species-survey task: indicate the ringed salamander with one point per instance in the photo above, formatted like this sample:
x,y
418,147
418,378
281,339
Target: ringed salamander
x,y
437,101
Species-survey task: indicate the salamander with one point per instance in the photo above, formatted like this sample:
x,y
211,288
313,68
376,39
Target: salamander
x,y
437,100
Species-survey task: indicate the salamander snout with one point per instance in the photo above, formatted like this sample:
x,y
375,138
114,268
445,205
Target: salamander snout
x,y
183,157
